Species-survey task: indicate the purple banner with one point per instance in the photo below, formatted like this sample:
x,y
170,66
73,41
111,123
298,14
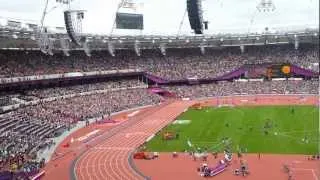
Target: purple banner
x,y
155,78
233,74
301,71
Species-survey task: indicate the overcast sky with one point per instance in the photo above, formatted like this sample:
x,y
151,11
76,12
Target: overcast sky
x,y
164,16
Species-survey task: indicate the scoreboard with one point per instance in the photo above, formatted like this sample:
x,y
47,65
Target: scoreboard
x,y
129,21
268,71
283,70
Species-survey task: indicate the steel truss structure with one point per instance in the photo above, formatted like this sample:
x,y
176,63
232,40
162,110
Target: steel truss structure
x,y
25,40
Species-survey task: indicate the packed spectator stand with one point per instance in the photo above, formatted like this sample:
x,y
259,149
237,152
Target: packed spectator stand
x,y
178,64
246,88
28,129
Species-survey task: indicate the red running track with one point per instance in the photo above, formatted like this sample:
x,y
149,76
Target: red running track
x,y
109,160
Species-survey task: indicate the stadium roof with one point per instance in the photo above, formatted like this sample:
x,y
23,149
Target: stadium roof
x,y
162,17
27,40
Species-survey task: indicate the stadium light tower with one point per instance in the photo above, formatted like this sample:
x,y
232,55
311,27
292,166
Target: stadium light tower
x,y
266,6
42,35
263,6
44,41
73,23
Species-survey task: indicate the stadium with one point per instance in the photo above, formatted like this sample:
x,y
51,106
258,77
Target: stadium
x,y
146,102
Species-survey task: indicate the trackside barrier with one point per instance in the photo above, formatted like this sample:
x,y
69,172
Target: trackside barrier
x,y
229,99
134,167
252,95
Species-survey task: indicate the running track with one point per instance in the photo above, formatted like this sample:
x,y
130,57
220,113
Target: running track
x,y
109,160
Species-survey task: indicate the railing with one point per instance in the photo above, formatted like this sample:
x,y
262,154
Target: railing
x,y
64,75
252,95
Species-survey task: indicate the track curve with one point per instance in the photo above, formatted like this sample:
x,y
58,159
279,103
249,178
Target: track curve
x,y
109,160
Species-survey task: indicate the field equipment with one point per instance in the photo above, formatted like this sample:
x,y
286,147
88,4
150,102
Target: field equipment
x,y
169,135
145,155
206,171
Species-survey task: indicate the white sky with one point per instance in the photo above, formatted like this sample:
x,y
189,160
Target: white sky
x,y
164,16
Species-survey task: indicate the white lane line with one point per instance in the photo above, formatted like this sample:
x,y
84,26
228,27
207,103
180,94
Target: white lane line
x,y
305,169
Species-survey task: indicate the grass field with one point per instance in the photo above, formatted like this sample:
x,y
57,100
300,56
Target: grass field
x,y
264,129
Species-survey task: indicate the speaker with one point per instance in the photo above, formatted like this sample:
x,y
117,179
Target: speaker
x,y
72,20
69,27
194,9
206,25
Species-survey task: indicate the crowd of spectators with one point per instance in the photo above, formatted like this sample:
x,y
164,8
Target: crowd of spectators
x,y
241,88
177,64
61,91
6,99
20,139
70,110
18,145
14,97
31,128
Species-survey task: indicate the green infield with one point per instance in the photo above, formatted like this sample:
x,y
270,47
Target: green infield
x,y
262,129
